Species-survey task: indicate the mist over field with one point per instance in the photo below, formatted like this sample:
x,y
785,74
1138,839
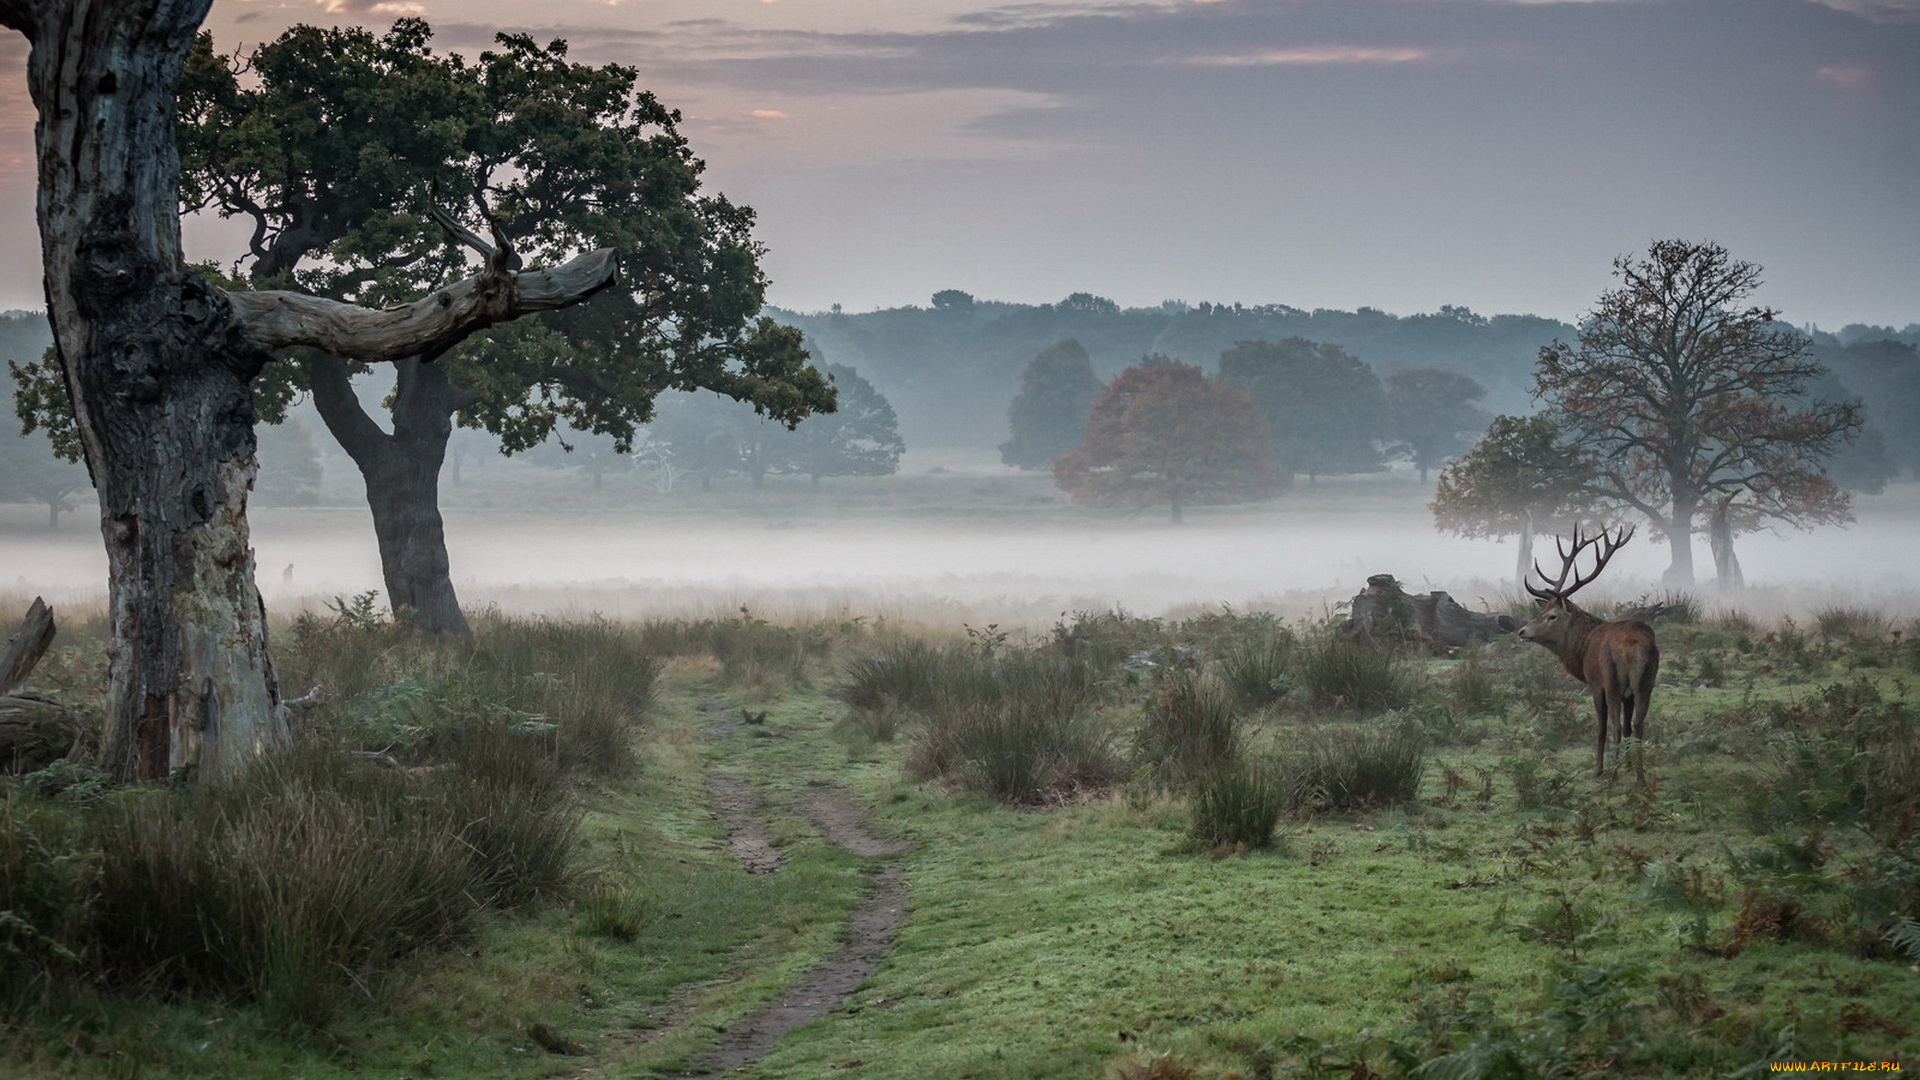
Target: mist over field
x,y
955,537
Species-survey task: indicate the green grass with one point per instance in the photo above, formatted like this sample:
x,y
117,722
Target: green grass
x,y
1515,905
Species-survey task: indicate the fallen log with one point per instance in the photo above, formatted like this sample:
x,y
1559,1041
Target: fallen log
x,y
1435,621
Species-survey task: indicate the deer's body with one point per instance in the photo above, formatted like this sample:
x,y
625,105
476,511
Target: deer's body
x,y
1618,660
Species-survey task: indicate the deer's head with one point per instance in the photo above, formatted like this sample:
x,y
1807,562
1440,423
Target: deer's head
x,y
1560,622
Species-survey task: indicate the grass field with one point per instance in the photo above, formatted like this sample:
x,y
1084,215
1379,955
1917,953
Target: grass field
x,y
1514,916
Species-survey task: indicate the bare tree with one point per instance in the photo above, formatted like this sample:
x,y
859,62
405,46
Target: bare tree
x,y
158,362
1689,398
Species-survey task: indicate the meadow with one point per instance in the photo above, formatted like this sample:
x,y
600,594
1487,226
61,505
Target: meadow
x,y
1227,843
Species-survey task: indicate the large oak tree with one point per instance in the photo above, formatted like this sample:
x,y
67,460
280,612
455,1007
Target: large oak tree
x,y
1694,402
344,150
158,363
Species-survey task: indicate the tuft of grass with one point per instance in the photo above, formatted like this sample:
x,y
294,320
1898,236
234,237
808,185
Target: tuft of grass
x,y
292,885
1347,768
1258,668
1354,674
1191,729
1839,622
1237,804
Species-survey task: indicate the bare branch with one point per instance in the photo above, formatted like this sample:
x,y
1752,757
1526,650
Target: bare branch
x,y
278,319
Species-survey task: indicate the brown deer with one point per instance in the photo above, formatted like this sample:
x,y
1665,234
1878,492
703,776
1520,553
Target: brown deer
x,y
1616,660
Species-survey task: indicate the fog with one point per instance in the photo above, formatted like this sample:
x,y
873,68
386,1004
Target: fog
x,y
955,538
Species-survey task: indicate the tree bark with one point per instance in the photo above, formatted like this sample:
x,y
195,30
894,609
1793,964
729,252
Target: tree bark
x,y
1679,533
1523,559
1726,565
157,365
401,471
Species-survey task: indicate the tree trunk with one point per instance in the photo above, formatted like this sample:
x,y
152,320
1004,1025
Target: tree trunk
x,y
402,475
1178,519
1726,565
1523,561
1679,533
157,364
53,515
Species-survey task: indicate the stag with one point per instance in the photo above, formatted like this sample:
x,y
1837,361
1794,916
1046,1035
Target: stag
x,y
1616,660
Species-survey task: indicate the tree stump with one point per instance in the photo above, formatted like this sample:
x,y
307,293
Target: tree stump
x,y
34,732
1436,622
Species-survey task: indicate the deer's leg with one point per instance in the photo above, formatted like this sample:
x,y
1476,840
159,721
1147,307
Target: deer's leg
x,y
1600,746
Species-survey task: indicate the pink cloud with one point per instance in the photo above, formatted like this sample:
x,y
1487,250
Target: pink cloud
x,y
1844,77
768,114
1318,54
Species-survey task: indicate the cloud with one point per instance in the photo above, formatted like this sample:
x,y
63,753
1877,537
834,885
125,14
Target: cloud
x,y
372,7
768,114
1317,54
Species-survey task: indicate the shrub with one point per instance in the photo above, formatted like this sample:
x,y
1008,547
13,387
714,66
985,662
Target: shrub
x,y
1190,729
1837,622
1235,804
45,880
1257,667
1355,767
1015,727
756,653
1355,674
906,672
590,680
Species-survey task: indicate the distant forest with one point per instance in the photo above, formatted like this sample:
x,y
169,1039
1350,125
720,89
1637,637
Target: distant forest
x,y
950,369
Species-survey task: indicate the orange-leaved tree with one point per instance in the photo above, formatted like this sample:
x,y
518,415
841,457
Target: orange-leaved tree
x,y
1165,433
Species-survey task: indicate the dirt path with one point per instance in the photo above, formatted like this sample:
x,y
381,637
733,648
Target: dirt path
x,y
734,803
830,982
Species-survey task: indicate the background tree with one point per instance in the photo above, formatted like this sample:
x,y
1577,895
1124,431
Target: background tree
x,y
1049,416
709,435
1168,434
30,472
1433,413
594,455
861,437
1523,476
1325,409
290,471
157,363
1689,399
558,155
1886,374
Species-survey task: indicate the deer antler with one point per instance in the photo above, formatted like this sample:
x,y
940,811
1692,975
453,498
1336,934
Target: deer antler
x,y
1607,545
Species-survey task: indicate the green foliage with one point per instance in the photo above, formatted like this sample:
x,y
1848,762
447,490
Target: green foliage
x,y
1524,474
1258,667
1049,415
860,437
1432,413
1016,724
1324,409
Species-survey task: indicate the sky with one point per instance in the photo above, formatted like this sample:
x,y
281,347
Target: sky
x,y
1399,154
